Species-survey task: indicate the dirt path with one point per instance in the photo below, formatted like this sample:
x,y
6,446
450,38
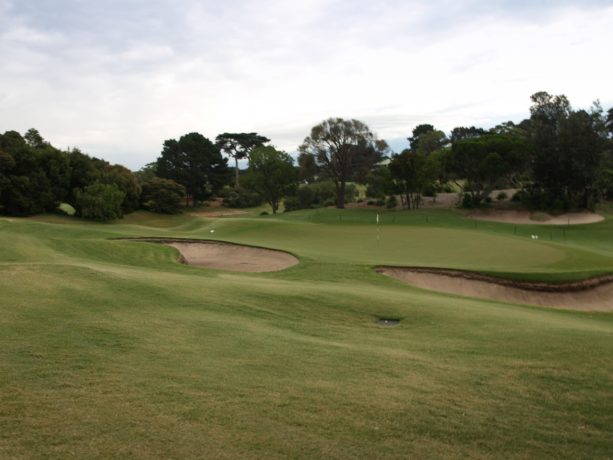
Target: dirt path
x,y
595,294
228,256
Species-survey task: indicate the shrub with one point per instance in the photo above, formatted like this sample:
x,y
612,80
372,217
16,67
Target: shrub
x,y
518,196
430,190
317,194
469,202
162,195
101,202
374,191
291,203
323,192
391,202
240,197
351,193
502,196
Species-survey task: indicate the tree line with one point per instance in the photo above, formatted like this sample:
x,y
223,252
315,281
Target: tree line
x,y
560,158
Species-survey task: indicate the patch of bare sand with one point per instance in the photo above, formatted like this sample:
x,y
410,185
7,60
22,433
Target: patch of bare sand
x,y
233,257
512,216
595,294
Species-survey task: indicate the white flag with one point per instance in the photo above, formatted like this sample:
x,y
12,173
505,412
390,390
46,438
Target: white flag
x,y
377,219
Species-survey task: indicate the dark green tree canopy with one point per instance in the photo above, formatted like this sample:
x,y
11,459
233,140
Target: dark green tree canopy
x,y
271,174
36,177
343,149
194,162
33,138
431,141
569,150
418,131
125,181
485,160
33,178
146,173
308,169
163,195
101,202
239,146
412,173
460,133
550,109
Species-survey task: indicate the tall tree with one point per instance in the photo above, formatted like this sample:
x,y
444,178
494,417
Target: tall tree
x,y
459,133
239,146
83,172
431,141
34,176
484,161
307,166
581,146
194,162
610,121
419,131
343,149
33,138
272,174
146,173
125,181
412,173
568,151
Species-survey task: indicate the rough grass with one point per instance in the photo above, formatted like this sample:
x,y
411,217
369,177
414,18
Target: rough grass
x,y
111,349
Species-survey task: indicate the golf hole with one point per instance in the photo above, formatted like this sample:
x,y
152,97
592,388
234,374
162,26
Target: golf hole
x,y
388,322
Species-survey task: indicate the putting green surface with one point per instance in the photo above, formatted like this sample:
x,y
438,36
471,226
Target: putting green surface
x,y
112,349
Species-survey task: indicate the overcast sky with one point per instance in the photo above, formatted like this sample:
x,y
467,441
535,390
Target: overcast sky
x,y
118,77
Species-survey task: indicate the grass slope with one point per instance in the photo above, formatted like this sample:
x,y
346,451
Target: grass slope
x,y
111,349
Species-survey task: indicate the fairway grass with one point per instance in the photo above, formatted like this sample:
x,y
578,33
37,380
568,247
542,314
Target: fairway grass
x,y
113,349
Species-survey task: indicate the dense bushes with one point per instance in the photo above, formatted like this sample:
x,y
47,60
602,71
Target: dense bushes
x,y
100,202
240,197
36,177
318,194
163,195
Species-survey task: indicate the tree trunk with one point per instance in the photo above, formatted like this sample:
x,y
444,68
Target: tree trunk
x,y
340,195
236,184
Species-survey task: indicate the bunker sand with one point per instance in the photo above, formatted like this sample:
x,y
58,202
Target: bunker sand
x,y
539,218
227,256
594,294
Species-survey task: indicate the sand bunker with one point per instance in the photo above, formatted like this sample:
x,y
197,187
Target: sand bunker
x,y
535,218
228,256
594,294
